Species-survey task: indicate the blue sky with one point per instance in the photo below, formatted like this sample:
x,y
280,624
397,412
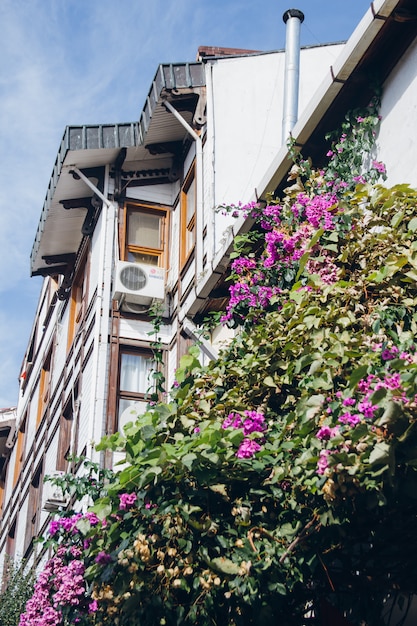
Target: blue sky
x,y
69,62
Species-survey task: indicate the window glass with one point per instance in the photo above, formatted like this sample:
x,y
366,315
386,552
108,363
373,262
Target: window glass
x,y
188,217
190,201
20,452
145,235
44,388
142,257
34,509
144,230
135,372
125,404
135,379
64,441
77,298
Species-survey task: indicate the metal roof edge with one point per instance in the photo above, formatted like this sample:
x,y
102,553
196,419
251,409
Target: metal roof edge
x,y
207,59
171,77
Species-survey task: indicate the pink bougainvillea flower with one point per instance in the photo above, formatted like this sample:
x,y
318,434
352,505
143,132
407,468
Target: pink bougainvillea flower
x,y
127,500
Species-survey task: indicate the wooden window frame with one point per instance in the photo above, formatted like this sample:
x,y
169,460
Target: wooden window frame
x,y
129,395
11,540
77,304
20,451
44,387
161,253
34,509
66,425
2,492
187,222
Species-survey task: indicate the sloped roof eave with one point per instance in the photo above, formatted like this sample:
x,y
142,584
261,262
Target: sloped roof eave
x,y
100,139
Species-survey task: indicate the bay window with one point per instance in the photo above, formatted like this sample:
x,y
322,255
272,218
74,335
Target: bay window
x,y
144,234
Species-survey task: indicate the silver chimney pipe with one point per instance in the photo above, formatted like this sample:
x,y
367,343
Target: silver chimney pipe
x,y
293,19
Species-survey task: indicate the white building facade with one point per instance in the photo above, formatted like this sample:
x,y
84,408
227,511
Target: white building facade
x,y
130,220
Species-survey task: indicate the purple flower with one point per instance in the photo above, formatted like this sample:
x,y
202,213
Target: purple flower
x,y
323,462
127,500
243,265
359,179
379,167
254,423
349,419
92,518
389,353
93,606
233,420
326,432
318,211
103,558
247,449
67,524
54,526
393,382
367,408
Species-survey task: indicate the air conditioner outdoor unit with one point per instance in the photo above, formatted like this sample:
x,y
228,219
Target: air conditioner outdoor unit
x,y
53,497
137,286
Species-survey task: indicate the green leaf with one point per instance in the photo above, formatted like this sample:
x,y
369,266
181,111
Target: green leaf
x,y
188,459
378,395
412,224
224,566
397,219
380,454
332,247
83,526
147,432
219,488
102,508
194,351
357,375
391,413
204,406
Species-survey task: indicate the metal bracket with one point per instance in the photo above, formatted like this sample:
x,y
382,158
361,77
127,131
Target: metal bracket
x,y
192,99
62,265
92,204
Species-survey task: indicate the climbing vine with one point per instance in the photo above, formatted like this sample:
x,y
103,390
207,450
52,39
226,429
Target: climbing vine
x,y
277,484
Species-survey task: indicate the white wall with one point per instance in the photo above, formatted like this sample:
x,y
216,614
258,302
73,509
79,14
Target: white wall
x,y
248,105
245,104
398,134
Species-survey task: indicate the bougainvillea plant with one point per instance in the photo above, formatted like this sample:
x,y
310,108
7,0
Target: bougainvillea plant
x,y
278,484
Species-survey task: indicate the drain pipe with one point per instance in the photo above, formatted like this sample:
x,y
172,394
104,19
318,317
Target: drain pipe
x,y
293,19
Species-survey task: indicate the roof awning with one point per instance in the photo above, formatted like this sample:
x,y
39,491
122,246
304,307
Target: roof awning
x,y
146,152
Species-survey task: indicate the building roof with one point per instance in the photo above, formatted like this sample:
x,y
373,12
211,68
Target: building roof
x,y
147,151
149,145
